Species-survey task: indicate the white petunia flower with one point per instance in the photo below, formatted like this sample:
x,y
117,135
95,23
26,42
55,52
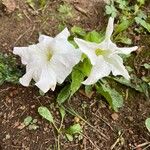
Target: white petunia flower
x,y
104,56
48,62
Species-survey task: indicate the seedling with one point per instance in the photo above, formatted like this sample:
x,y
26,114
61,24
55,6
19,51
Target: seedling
x,y
31,123
72,130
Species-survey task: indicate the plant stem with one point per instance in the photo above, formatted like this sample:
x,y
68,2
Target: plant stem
x,y
58,142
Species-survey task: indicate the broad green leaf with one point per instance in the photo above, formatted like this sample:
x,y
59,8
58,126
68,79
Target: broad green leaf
x,y
147,123
45,113
123,26
27,120
127,83
69,137
136,84
77,78
62,112
74,129
85,66
78,31
114,98
143,23
64,94
94,37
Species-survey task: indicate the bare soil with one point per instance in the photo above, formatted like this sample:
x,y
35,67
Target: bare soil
x,y
125,129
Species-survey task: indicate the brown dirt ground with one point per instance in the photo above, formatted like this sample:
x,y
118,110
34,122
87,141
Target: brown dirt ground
x,y
21,27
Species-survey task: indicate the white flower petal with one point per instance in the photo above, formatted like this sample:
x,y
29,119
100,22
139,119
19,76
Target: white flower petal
x,y
64,63
99,70
25,80
88,48
45,38
69,59
126,50
23,53
117,67
61,46
110,28
47,79
64,34
107,45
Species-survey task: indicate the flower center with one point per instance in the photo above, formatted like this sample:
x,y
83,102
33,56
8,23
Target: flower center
x,y
48,56
100,52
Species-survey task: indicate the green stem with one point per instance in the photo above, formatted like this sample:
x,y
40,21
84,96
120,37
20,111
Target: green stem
x,y
56,127
58,142
61,125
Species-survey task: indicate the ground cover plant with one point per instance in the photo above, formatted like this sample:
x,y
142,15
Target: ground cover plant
x,y
92,107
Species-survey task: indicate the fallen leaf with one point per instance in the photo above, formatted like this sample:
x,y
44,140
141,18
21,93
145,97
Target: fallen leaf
x,y
21,126
115,116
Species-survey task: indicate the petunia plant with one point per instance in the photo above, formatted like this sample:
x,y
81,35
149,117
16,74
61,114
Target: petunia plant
x,y
92,56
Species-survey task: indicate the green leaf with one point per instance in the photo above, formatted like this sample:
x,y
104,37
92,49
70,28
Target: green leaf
x,y
33,127
45,113
114,99
85,66
9,71
128,83
147,66
74,129
136,84
77,78
122,38
64,94
27,120
129,69
124,25
62,112
147,123
111,10
122,4
69,137
141,2
94,37
78,31
143,23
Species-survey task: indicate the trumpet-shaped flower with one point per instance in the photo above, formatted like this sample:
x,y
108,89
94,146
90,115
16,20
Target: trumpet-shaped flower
x,y
49,62
104,56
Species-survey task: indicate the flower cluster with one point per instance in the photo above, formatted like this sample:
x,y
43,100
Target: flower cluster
x,y
52,59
